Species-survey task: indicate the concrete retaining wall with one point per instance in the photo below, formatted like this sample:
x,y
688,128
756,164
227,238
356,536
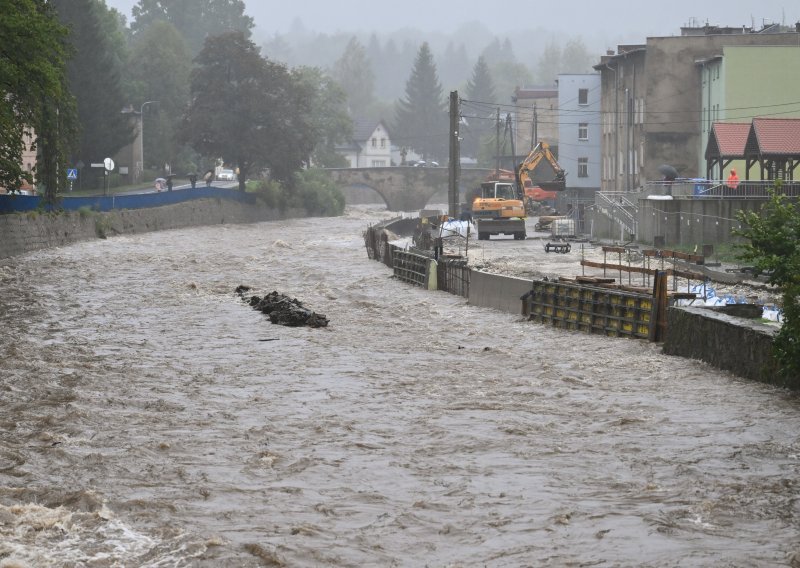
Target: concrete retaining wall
x,y
687,221
735,344
741,346
496,291
30,231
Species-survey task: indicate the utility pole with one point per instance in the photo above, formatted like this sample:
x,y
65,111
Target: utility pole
x,y
141,138
534,129
510,126
455,156
497,140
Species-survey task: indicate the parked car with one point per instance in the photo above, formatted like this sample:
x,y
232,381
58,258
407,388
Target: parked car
x,y
226,175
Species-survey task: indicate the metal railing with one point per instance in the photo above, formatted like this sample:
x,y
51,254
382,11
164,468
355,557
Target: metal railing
x,y
721,189
618,207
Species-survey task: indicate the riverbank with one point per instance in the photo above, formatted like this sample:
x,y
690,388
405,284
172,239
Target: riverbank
x,y
29,231
498,273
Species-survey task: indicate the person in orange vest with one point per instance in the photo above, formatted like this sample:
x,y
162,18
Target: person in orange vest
x,y
733,180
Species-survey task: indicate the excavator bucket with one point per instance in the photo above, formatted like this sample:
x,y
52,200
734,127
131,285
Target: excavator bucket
x,y
555,185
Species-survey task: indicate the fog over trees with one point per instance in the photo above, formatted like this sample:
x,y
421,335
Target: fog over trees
x,y
515,60
403,77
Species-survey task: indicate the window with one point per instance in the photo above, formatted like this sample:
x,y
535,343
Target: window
x,y
583,131
583,167
383,142
374,142
583,96
378,163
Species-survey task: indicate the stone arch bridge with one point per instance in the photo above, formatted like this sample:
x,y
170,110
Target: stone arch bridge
x,y
405,188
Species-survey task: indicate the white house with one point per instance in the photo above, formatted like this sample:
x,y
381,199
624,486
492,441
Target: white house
x,y
370,146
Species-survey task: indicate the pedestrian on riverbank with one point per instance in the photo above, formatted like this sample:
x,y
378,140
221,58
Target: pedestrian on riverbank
x,y
733,180
209,175
193,179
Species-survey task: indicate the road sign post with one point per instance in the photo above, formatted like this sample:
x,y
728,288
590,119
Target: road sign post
x,y
108,164
72,175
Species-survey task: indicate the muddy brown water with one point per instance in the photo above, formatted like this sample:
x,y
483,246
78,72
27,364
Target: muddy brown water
x,y
149,418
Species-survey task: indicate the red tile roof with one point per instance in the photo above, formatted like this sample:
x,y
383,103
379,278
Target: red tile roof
x,y
777,136
728,139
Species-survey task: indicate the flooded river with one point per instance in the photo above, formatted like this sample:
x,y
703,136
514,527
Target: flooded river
x,y
149,418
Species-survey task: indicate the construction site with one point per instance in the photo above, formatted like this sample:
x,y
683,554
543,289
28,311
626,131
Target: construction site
x,y
590,286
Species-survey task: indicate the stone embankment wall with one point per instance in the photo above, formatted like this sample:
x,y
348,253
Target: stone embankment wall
x,y
739,345
30,231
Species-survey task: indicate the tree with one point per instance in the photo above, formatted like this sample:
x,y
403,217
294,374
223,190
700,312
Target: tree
x,y
455,65
353,72
159,70
480,90
496,52
421,118
549,64
194,19
248,111
95,78
36,103
329,118
773,247
278,49
508,76
576,58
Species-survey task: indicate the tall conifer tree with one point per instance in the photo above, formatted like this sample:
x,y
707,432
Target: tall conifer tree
x,y
480,123
421,118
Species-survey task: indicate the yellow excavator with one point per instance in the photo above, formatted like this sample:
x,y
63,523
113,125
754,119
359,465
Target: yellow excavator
x,y
506,197
498,208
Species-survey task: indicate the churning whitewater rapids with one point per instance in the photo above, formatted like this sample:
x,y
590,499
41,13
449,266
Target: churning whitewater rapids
x,y
149,417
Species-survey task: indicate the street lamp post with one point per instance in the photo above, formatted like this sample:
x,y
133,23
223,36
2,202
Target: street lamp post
x,y
141,136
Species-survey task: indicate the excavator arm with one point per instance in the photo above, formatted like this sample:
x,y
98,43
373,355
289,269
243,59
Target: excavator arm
x,y
542,169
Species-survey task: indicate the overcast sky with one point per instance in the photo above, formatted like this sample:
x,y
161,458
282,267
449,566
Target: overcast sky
x,y
610,18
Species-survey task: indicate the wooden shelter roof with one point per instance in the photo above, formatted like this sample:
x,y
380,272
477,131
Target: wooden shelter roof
x,y
727,140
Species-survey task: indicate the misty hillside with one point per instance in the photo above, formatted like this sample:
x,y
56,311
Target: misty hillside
x,y
521,58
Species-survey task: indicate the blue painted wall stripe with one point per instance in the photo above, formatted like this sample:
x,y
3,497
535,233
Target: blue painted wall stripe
x,y
15,203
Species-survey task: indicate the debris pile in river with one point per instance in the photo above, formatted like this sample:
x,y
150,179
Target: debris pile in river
x,y
282,309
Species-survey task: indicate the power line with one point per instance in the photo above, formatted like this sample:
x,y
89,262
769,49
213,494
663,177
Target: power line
x,y
521,120
481,104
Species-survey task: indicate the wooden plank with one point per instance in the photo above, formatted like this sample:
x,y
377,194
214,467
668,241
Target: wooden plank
x,y
682,295
623,267
687,274
594,280
658,282
696,258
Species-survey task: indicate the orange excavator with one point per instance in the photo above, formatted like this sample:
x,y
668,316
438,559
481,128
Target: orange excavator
x,y
501,203
541,176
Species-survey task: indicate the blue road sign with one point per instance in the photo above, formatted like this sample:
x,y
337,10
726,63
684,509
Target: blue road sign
x,y
72,173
